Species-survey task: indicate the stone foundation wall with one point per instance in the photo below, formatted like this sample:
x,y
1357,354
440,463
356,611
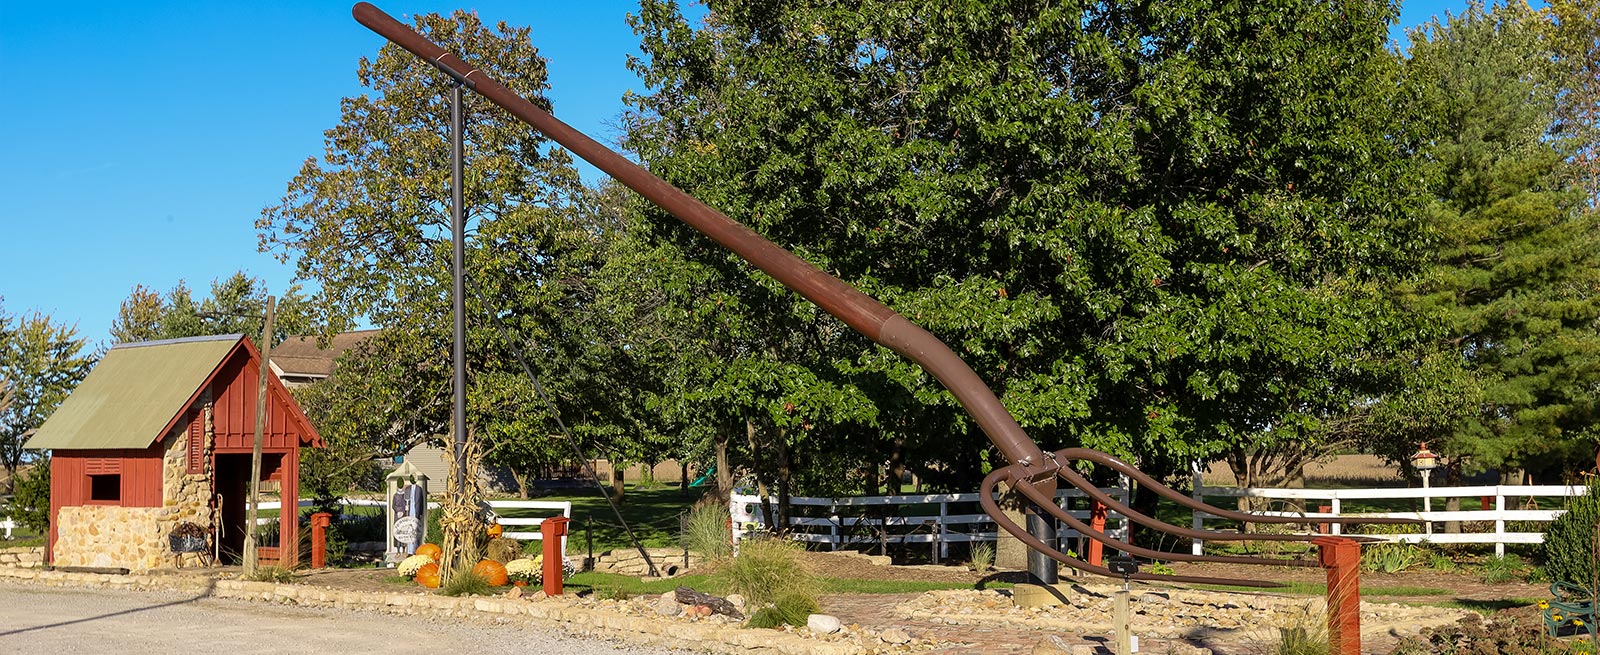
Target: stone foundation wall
x,y
24,557
185,496
626,561
110,537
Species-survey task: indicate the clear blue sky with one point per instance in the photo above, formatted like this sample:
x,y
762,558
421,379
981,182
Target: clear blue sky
x,y
117,168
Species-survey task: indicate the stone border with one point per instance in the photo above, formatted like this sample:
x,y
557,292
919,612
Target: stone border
x,y
561,614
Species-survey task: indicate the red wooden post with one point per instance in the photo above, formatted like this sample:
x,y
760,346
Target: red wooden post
x,y
319,539
551,531
1324,528
1097,520
1342,559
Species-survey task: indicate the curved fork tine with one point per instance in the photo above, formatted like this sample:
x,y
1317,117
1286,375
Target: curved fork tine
x,y
1044,502
1182,499
986,499
1083,484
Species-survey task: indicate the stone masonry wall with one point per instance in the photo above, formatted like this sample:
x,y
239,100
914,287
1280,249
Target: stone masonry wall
x,y
107,536
186,496
28,557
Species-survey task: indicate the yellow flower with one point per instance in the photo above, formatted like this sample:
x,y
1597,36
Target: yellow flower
x,y
1577,622
1556,617
1544,604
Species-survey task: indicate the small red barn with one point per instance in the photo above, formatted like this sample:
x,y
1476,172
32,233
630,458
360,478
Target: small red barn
x,y
159,435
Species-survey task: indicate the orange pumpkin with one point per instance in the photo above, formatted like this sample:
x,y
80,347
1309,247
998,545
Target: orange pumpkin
x,y
428,576
492,572
431,550
495,530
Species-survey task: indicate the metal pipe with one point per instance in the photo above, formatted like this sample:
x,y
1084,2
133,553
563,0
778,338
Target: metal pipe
x,y
858,310
458,307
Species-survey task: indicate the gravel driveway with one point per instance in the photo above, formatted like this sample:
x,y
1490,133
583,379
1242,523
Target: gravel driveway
x,y
57,620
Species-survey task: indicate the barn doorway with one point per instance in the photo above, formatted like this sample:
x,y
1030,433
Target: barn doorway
x,y
233,489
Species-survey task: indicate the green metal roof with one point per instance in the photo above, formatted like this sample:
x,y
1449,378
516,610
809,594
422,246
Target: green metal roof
x,y
133,394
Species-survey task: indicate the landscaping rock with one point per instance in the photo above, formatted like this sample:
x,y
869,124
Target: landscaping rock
x,y
823,623
1052,645
667,605
736,601
895,636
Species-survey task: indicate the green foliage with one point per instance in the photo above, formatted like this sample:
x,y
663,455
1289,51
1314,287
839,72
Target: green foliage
x,y
766,571
1183,225
706,530
463,582
1161,568
1496,570
30,500
1570,540
1507,300
789,609
1392,557
41,362
237,305
1302,640
1441,562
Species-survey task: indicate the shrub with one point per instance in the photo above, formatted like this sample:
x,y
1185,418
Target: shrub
x,y
465,582
276,574
790,609
706,530
767,570
1569,542
30,502
1441,562
1496,570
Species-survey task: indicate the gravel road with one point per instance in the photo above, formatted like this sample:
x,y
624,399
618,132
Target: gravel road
x,y
56,620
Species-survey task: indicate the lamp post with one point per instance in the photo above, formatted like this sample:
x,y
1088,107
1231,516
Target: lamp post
x,y
1425,461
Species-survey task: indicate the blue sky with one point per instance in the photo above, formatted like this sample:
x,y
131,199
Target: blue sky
x,y
140,140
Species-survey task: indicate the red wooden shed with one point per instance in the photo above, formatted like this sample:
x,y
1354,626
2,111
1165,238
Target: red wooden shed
x,y
158,436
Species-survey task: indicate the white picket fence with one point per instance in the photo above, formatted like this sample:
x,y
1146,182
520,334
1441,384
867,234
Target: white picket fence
x,y
844,516
8,525
1432,533
510,522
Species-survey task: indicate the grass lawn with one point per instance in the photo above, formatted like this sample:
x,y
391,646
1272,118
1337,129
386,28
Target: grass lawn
x,y
652,513
1320,589
613,585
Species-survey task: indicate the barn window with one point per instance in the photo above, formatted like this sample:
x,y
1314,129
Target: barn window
x,y
105,488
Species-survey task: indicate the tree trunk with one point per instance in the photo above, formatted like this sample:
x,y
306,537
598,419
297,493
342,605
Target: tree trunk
x,y
619,478
522,483
683,478
897,467
757,463
724,475
871,473
1452,478
784,476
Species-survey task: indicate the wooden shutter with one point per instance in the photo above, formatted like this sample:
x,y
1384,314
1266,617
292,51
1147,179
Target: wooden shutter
x,y
196,442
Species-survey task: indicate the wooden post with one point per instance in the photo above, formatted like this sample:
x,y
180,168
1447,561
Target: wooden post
x,y
284,513
1120,617
551,532
1324,528
320,523
1341,557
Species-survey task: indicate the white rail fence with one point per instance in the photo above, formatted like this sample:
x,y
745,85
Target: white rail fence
x,y
531,523
8,525
1494,497
935,519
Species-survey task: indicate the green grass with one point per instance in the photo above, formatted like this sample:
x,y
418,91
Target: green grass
x,y
634,587
652,513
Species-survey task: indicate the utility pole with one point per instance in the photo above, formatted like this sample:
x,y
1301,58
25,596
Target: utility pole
x,y
458,226
284,513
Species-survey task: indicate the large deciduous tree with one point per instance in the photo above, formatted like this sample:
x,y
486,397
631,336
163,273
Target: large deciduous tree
x,y
237,305
41,362
1164,230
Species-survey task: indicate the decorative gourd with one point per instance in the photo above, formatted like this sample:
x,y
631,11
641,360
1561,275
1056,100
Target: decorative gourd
x,y
495,530
431,550
492,572
428,576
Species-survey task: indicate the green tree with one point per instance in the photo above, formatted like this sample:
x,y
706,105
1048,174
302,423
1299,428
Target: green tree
x,y
1572,30
236,305
41,363
1511,287
1164,231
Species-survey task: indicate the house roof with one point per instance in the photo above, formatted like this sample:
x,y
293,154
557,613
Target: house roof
x,y
303,355
130,398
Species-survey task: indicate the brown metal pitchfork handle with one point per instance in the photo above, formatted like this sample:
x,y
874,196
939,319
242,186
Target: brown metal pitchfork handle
x,y
1031,468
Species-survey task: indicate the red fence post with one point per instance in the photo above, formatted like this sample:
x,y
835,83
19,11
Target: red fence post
x,y
1324,528
1342,559
319,539
1097,520
551,531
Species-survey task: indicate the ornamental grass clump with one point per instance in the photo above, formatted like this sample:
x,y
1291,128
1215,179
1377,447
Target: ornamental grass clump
x,y
465,582
706,531
771,574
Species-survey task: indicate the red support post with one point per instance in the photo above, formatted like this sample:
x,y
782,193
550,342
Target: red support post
x,y
1324,528
319,539
1097,520
551,531
1342,559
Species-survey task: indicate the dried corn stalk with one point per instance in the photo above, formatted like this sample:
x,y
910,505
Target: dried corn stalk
x,y
461,517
